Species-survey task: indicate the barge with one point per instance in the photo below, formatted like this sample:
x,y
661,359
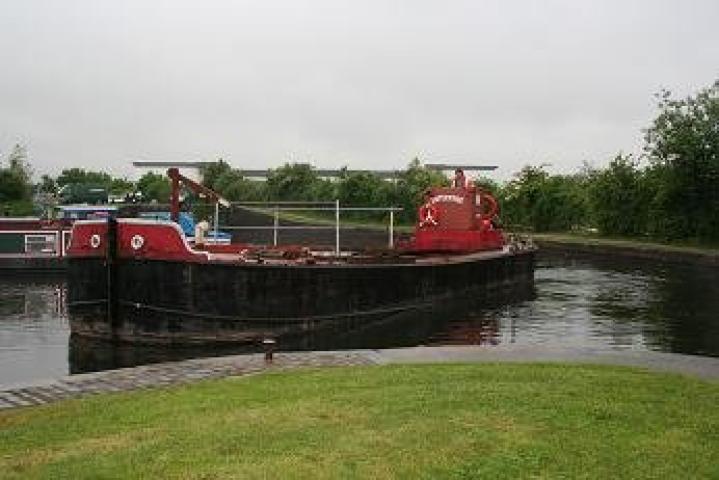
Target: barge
x,y
142,281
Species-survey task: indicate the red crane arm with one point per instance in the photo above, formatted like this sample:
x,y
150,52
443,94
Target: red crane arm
x,y
179,179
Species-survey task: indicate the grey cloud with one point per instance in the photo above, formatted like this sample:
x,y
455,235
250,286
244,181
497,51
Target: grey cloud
x,y
369,84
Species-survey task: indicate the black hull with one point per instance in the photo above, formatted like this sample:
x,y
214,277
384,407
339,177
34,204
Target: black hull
x,y
198,303
424,326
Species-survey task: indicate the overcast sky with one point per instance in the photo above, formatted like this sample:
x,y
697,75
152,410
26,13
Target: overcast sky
x,y
368,84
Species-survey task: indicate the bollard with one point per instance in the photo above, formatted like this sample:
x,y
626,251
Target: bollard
x,y
269,346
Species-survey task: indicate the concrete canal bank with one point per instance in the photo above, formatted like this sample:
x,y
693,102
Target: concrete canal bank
x,y
173,373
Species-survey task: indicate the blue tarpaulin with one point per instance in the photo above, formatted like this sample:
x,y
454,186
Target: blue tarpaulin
x,y
187,224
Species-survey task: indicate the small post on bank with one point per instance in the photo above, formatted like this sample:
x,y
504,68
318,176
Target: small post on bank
x,y
269,347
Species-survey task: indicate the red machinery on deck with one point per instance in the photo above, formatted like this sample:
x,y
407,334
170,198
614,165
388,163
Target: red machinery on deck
x,y
457,219
177,180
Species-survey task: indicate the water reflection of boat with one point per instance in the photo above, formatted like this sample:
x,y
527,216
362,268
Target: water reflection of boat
x,y
140,280
27,296
13,304
444,323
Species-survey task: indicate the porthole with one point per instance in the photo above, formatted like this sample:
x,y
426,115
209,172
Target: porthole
x,y
137,242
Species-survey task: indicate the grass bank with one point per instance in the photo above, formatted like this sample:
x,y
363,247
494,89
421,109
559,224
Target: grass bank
x,y
682,253
429,421
588,242
681,247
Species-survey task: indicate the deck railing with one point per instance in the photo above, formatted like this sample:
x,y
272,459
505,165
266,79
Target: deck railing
x,y
277,207
306,206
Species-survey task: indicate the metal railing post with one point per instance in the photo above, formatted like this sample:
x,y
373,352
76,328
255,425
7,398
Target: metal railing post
x,y
217,219
337,227
276,225
391,228
326,207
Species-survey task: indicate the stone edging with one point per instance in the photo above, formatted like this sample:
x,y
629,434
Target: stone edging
x,y
174,373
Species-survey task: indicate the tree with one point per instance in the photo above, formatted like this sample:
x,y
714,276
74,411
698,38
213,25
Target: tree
x,y
154,186
683,146
76,184
81,176
618,198
360,189
535,200
410,186
12,186
47,185
211,173
487,184
15,187
363,189
294,181
119,186
19,164
231,183
521,194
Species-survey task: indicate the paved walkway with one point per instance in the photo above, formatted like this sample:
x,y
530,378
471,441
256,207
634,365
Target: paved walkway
x,y
173,373
706,368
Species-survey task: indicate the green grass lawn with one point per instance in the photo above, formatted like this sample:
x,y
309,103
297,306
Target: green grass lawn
x,y
428,421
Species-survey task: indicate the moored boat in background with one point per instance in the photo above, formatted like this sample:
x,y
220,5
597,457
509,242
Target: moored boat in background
x,y
34,243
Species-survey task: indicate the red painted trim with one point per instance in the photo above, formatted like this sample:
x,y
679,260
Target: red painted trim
x,y
81,238
457,240
154,241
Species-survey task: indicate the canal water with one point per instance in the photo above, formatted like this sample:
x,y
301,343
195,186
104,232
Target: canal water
x,y
608,303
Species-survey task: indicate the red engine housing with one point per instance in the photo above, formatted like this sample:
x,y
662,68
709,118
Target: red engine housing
x,y
457,219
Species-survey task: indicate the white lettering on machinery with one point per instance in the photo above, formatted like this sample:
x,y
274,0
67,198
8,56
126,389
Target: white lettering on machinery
x,y
447,198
